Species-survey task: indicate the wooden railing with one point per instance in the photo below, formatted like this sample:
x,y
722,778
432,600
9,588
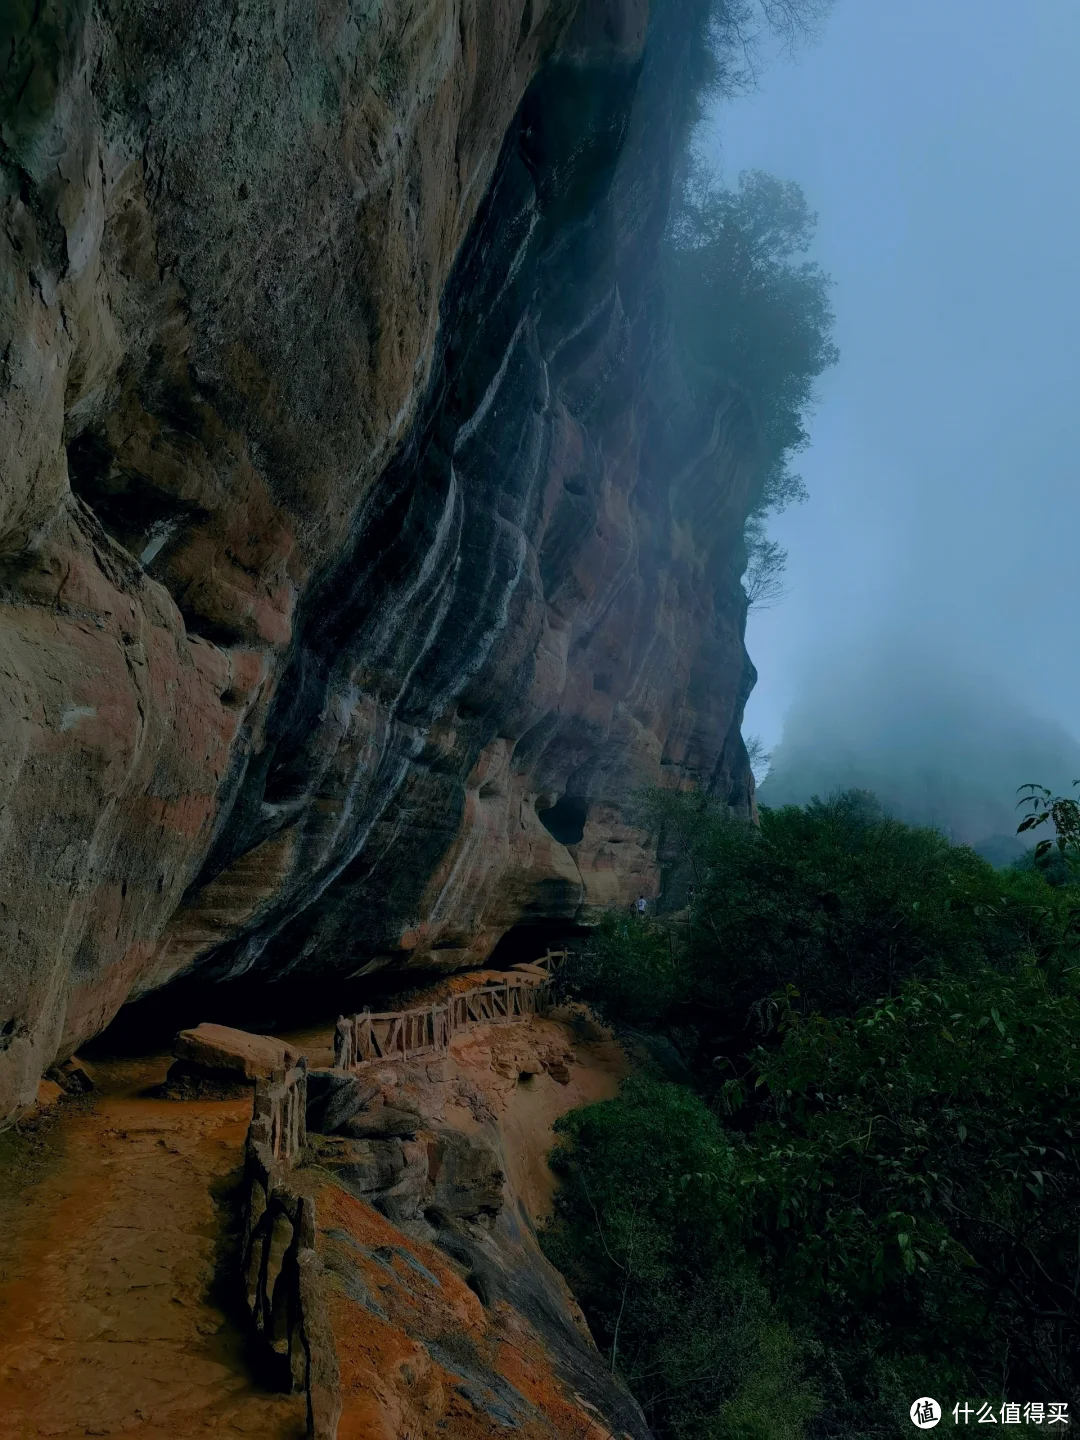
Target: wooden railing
x,y
278,1120
283,1274
427,1030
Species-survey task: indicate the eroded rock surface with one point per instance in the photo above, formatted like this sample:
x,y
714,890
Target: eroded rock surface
x,y
446,1316
359,551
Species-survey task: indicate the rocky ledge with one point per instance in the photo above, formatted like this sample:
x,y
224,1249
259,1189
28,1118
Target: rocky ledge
x,y
444,1313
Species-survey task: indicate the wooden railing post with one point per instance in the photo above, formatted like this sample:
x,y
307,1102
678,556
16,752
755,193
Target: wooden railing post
x,y
399,1034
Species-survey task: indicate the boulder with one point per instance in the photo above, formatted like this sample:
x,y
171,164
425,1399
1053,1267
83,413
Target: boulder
x,y
408,1196
362,1166
384,1121
48,1093
333,1097
238,1053
468,1176
74,1076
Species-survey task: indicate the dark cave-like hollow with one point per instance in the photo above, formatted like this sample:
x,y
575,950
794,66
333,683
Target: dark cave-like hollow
x,y
565,820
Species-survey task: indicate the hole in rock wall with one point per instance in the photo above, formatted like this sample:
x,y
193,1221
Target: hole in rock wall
x,y
138,514
565,820
478,1284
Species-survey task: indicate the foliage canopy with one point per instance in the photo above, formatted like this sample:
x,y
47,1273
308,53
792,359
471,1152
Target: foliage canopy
x,y
879,1152
747,309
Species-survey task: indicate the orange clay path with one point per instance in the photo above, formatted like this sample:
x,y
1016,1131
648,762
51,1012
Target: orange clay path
x,y
108,1325
109,1321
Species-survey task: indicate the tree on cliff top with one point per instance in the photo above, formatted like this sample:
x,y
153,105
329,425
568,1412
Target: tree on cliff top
x,y
746,308
735,36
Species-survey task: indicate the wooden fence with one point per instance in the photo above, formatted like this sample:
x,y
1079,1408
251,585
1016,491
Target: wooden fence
x,y
428,1030
283,1273
278,1121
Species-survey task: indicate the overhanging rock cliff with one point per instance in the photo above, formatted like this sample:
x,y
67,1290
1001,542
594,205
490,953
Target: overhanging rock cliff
x,y
361,550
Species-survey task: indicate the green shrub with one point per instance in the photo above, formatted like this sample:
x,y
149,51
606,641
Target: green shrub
x,y
912,1183
835,904
646,1231
873,1192
631,969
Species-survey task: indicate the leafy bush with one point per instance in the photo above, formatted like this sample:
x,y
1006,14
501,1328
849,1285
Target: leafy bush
x,y
1060,812
877,1174
835,903
631,969
648,1239
913,1183
835,900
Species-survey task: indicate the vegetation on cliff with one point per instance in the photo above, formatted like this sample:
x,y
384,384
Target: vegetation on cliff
x,y
747,310
648,1235
747,307
879,1151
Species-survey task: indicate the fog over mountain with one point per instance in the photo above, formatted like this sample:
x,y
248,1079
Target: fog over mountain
x,y
939,742
932,585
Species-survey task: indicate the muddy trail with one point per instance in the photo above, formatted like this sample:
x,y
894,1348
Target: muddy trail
x,y
115,1307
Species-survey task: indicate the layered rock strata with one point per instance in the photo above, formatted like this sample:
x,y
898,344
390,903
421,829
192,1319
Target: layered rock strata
x,y
360,550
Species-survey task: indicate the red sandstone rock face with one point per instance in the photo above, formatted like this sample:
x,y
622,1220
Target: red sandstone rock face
x,y
341,536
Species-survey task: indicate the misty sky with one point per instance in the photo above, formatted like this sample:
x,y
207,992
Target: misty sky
x,y
937,139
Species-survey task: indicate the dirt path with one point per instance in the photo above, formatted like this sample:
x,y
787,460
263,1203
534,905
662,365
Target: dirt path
x,y
114,1219
108,1323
